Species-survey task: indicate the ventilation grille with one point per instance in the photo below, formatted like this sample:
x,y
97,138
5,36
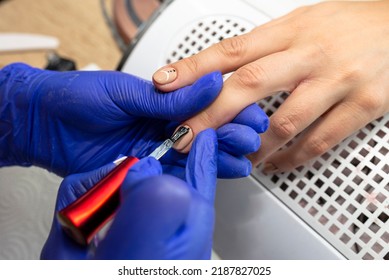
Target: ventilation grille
x,y
343,195
202,34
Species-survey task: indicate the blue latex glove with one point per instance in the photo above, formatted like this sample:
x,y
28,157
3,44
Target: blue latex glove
x,y
70,122
161,216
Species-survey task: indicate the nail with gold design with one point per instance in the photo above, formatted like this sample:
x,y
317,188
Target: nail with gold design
x,y
165,76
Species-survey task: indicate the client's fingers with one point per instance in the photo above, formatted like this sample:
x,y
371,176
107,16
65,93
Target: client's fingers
x,y
225,56
278,72
344,119
303,106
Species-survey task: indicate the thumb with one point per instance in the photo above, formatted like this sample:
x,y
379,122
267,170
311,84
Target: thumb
x,y
139,97
150,215
201,169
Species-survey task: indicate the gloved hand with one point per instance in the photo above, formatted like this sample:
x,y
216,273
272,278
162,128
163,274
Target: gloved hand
x,y
69,122
161,216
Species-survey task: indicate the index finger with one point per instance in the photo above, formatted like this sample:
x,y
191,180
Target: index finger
x,y
225,56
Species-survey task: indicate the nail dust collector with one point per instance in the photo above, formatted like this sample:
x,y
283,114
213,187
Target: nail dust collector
x,y
336,207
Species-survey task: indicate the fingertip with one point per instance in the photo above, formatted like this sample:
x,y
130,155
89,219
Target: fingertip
x,y
285,160
185,140
280,162
269,168
172,77
246,167
237,139
254,117
164,76
206,136
179,76
184,144
168,84
263,121
231,167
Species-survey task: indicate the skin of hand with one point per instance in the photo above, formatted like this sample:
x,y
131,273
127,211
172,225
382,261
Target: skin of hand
x,y
160,216
333,60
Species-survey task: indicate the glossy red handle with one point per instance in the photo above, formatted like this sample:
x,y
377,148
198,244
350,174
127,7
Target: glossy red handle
x,y
82,219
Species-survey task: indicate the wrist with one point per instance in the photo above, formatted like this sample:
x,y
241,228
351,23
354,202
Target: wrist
x,y
16,113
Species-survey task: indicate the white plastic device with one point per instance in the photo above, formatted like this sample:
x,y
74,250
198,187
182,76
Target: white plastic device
x,y
17,42
336,207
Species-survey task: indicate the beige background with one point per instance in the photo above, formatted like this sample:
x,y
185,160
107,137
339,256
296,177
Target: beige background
x,y
27,195
79,25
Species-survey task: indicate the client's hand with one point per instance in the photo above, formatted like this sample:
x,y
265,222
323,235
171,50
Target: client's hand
x,y
331,57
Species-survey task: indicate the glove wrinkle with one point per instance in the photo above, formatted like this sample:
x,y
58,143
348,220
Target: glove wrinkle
x,y
202,164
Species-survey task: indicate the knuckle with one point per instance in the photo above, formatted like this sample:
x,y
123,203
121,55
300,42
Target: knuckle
x,y
233,48
283,127
322,50
316,146
353,75
299,24
369,103
251,76
319,54
192,64
364,107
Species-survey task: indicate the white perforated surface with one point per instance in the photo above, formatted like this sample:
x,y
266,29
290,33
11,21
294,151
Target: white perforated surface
x,y
343,195
203,33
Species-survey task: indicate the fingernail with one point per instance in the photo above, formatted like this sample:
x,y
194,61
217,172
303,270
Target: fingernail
x,y
184,141
165,76
269,168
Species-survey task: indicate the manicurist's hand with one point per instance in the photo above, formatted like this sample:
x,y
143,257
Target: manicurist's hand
x,y
160,217
332,58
